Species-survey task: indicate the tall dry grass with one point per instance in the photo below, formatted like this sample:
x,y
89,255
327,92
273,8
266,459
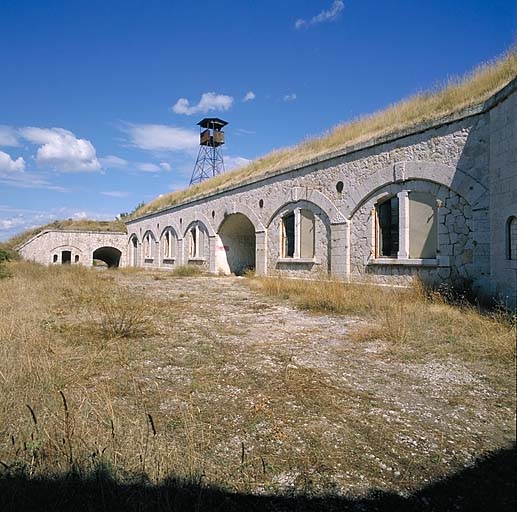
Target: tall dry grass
x,y
66,332
455,95
413,320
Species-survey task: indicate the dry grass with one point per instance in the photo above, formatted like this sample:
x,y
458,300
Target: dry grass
x,y
457,94
187,271
61,225
412,320
217,383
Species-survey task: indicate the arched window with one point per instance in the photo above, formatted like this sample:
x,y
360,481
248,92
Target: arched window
x,y
195,242
419,239
298,234
387,228
511,238
133,248
148,246
169,245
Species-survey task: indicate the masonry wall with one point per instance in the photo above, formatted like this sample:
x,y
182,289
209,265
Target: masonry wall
x,y
464,165
47,247
503,199
448,161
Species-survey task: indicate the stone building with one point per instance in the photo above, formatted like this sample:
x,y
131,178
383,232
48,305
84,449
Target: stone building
x,y
438,201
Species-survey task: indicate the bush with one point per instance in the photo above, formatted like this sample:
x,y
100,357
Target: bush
x,y
187,271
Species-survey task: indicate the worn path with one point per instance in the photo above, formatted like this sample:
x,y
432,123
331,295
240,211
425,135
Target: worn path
x,y
284,399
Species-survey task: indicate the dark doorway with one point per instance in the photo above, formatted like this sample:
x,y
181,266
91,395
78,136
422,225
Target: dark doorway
x,y
66,257
109,255
237,234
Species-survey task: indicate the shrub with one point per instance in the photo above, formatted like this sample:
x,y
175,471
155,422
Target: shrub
x,y
187,271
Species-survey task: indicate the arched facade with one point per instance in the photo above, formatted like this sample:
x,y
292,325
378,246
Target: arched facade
x,y
436,201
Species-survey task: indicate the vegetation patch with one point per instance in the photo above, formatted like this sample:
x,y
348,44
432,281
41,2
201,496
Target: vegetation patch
x,y
63,225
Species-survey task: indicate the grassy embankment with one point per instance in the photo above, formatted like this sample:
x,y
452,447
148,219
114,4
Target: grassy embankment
x,y
63,225
457,94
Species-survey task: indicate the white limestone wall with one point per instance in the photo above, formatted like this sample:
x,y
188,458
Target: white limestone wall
x,y
49,244
467,162
503,198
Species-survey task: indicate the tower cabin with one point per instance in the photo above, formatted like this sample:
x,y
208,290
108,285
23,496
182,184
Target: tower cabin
x,y
209,161
211,134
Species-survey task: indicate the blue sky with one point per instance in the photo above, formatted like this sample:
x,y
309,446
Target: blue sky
x,y
99,99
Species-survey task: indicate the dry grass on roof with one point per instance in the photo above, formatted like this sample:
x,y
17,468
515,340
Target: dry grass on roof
x,y
63,225
457,94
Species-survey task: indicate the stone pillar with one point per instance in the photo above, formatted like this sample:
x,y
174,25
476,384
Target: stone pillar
x,y
180,255
297,232
212,242
403,224
340,250
261,253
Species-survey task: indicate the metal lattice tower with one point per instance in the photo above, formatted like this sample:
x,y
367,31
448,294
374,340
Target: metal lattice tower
x,y
209,161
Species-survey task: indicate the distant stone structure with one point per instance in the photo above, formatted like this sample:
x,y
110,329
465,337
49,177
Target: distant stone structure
x,y
438,201
76,247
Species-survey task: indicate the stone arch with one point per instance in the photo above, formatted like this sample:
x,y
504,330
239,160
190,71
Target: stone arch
x,y
166,253
133,244
237,251
172,226
109,255
475,193
248,213
310,205
314,197
197,246
202,219
149,251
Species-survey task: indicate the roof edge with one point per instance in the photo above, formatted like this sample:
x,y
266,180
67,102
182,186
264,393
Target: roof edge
x,y
464,113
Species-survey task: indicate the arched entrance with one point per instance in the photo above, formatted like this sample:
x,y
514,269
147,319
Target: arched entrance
x,y
109,255
237,235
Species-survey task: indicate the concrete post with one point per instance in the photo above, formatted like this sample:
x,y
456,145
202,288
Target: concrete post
x,y
340,250
403,197
261,253
180,256
212,243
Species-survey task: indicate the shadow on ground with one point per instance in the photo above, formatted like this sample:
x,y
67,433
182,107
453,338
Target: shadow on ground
x,y
488,486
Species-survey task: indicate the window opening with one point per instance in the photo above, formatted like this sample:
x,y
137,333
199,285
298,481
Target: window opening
x,y
511,235
388,228
288,235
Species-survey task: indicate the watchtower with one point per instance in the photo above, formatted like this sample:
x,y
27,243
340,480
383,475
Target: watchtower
x,y
209,159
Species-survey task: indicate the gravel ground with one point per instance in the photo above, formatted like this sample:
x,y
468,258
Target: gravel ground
x,y
285,400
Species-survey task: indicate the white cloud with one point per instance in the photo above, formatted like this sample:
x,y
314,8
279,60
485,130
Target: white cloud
x,y
232,162
210,101
113,162
166,166
148,167
329,15
61,149
290,97
115,193
29,181
8,165
159,137
250,95
8,136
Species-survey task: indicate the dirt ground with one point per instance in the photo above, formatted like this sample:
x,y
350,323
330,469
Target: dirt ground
x,y
269,398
